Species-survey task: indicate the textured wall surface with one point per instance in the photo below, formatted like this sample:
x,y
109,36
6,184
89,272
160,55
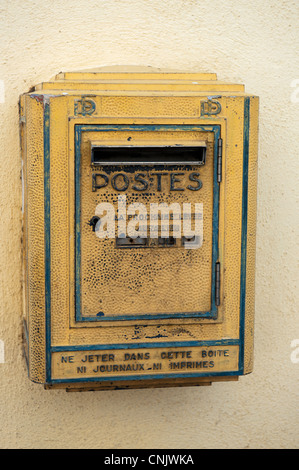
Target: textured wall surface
x,y
255,43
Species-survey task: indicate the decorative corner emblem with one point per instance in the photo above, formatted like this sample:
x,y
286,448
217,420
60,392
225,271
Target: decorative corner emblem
x,y
84,107
209,108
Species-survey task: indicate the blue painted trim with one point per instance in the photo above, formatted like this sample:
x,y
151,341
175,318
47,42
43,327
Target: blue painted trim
x,y
212,314
215,222
244,230
148,316
141,128
47,211
26,345
77,225
170,344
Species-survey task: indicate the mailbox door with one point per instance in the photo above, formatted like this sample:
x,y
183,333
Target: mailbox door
x,y
154,268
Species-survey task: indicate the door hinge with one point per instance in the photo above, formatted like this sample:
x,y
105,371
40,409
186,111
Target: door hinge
x,y
219,161
217,284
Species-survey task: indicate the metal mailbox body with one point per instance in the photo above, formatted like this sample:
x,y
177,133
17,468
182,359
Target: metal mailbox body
x,y
120,311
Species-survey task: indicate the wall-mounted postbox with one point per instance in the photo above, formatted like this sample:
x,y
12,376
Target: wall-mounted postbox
x,y
139,229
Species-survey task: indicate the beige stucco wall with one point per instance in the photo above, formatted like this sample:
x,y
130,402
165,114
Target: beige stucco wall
x,y
255,43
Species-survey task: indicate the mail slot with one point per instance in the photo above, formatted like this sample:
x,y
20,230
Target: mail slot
x,y
139,229
129,155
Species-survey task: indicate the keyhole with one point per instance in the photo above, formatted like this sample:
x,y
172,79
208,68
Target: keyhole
x,y
93,222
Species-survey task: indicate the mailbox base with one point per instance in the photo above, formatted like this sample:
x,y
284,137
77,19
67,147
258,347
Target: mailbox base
x,y
126,384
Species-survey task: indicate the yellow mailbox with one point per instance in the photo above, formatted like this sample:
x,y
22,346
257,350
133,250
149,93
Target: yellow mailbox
x,y
139,229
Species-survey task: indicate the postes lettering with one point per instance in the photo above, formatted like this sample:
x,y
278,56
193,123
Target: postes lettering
x,y
143,182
